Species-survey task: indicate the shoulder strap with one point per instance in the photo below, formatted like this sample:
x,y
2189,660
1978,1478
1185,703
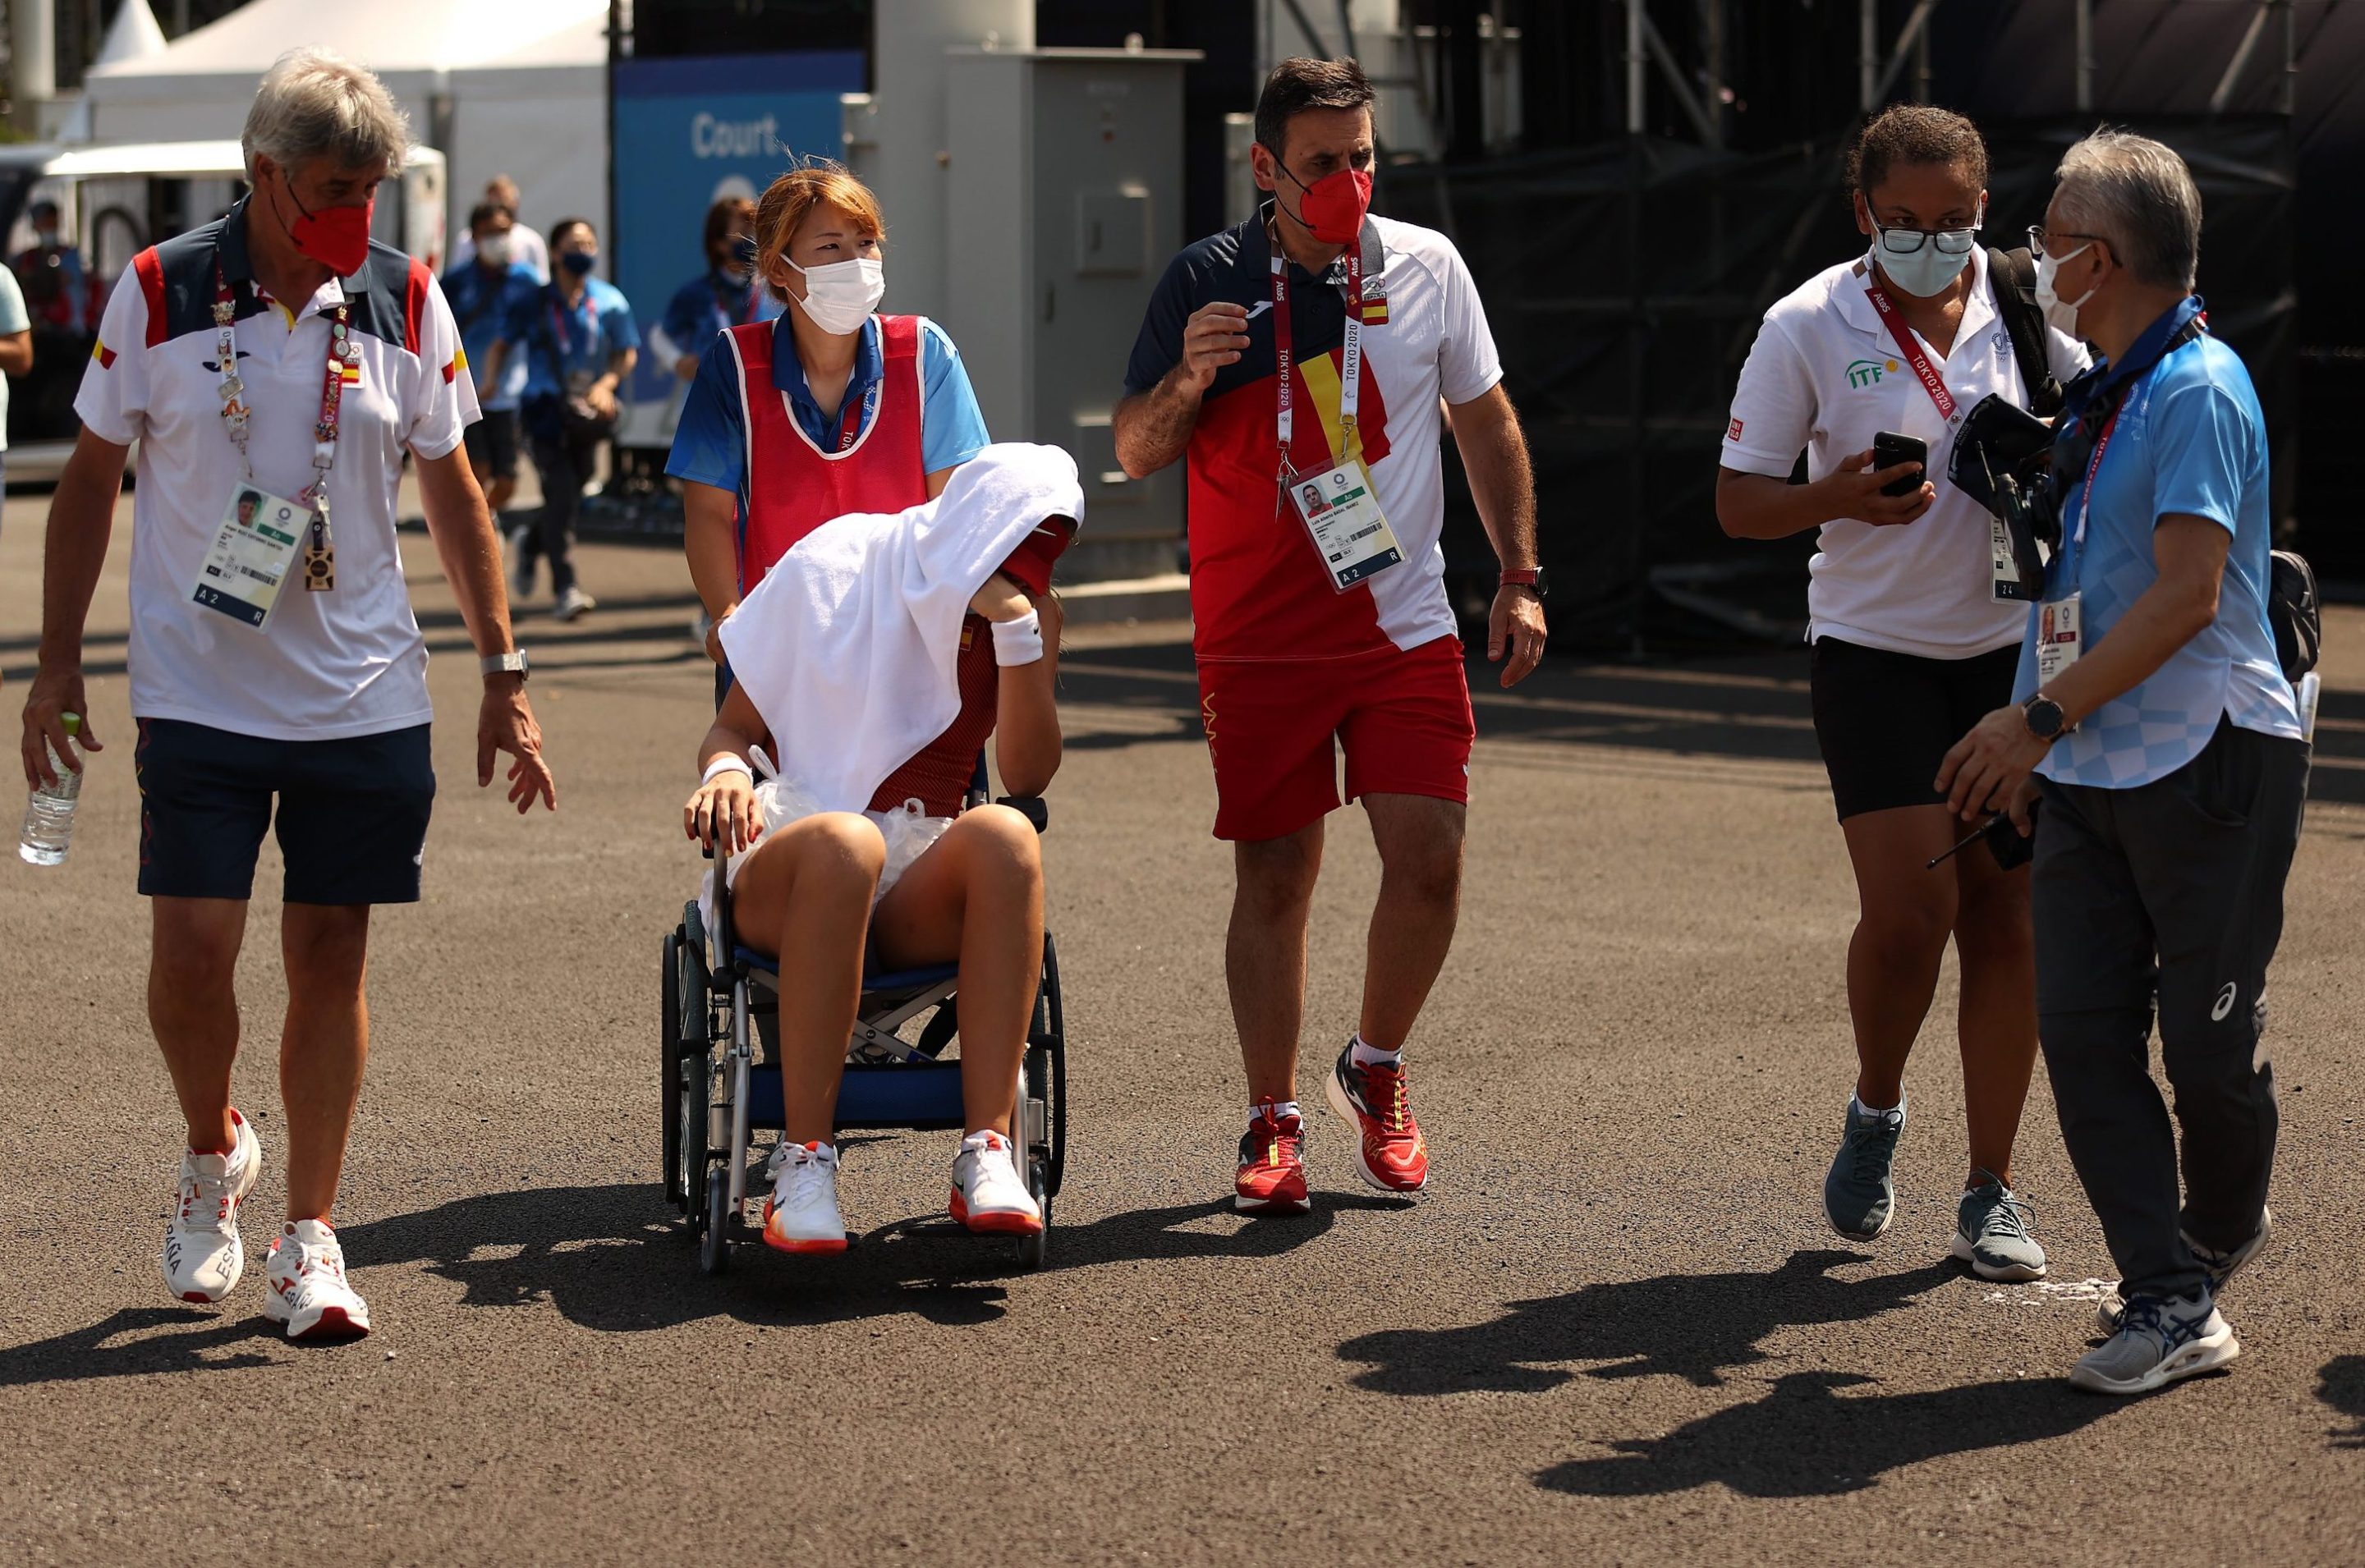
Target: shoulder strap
x,y
755,341
2011,278
899,337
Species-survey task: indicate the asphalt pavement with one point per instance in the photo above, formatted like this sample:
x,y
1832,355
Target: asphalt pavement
x,y
1617,1332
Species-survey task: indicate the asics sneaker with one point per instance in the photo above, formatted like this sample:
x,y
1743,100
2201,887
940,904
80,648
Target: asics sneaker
x,y
1859,1199
1992,1232
1371,1100
988,1192
1272,1178
203,1255
801,1213
2161,1341
309,1291
2222,1267
573,603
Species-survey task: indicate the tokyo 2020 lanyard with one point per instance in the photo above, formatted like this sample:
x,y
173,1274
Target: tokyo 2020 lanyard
x,y
1923,371
1351,370
345,355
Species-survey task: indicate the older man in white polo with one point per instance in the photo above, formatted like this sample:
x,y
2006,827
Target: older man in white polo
x,y
274,366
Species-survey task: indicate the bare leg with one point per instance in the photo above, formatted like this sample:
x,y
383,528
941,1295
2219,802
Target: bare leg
x,y
1264,955
805,896
1906,911
1998,1017
193,1008
322,1047
977,894
1419,840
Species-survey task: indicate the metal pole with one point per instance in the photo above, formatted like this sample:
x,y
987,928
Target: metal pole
x,y
1712,19
1867,51
1921,66
1634,60
2241,61
2290,56
2085,56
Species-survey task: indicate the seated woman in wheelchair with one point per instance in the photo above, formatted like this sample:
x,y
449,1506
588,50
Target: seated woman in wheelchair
x,y
914,881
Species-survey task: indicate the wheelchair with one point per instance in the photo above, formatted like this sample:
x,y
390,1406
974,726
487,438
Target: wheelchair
x,y
719,1092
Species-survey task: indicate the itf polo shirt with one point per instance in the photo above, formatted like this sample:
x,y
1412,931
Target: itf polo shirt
x,y
348,662
710,445
2190,439
1826,375
1259,589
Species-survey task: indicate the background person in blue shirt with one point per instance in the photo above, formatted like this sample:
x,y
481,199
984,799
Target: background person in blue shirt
x,y
726,295
579,341
484,293
2170,763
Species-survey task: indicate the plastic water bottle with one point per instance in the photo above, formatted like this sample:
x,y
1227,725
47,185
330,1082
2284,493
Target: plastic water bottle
x,y
48,816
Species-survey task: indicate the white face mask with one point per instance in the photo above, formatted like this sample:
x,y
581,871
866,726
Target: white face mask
x,y
493,249
2060,314
1926,271
841,295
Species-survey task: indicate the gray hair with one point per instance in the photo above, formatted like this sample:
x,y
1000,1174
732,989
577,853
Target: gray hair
x,y
2139,196
314,103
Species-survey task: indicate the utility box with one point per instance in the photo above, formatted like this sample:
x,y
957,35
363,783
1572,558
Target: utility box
x,y
1065,204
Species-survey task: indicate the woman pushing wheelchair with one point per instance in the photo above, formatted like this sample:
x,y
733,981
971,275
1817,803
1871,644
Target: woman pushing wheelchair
x,y
879,578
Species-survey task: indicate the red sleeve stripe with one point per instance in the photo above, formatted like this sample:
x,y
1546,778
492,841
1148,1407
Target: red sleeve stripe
x,y
414,305
150,268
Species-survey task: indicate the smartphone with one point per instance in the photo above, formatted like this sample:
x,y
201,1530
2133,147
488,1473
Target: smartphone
x,y
1889,449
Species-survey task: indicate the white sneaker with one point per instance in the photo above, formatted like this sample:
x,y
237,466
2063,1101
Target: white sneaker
x,y
573,603
801,1213
308,1292
203,1255
988,1192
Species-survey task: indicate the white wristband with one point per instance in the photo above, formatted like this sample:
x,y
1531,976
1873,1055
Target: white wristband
x,y
729,762
1018,642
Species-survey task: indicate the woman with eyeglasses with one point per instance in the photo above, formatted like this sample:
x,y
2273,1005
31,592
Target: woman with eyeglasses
x,y
1916,616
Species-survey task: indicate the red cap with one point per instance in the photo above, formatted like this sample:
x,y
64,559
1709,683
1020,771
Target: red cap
x,y
1030,565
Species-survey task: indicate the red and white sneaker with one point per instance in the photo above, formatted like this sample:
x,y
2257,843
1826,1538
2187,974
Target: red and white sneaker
x,y
1389,1149
203,1255
801,1213
988,1192
1272,1178
309,1291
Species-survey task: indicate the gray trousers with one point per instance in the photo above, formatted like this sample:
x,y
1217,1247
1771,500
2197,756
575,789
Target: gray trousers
x,y
2170,893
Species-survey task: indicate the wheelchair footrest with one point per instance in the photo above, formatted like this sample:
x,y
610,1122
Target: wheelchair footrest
x,y
924,1096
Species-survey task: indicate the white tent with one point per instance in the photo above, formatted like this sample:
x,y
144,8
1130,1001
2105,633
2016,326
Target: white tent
x,y
502,86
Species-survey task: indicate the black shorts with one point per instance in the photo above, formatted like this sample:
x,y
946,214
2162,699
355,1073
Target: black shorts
x,y
1885,720
493,444
352,823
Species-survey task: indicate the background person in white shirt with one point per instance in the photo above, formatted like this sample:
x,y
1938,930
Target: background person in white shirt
x,y
1913,641
527,247
300,709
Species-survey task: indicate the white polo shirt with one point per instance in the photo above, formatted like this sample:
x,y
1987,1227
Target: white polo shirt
x,y
347,662
1826,375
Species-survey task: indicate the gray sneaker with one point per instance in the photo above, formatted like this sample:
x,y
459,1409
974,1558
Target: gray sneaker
x,y
2160,1341
1858,1197
2222,1267
1992,1232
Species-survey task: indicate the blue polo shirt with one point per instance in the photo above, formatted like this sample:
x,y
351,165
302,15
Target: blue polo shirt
x,y
483,302
2190,439
710,444
562,343
705,306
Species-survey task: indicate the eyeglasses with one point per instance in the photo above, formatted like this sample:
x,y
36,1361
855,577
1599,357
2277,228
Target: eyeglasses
x,y
1909,241
2040,240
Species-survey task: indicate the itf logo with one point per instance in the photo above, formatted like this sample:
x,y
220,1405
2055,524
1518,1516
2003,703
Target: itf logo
x,y
1869,372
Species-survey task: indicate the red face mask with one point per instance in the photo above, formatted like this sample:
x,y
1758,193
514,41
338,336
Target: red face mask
x,y
1332,207
336,237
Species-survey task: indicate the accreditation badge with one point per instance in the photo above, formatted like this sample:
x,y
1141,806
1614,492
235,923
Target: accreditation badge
x,y
1343,518
250,555
2059,635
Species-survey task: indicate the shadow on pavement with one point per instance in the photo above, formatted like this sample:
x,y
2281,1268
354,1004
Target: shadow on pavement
x,y
2340,1382
1696,1326
125,1344
1805,1439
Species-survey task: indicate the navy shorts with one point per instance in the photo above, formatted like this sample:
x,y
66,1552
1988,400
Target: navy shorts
x,y
351,812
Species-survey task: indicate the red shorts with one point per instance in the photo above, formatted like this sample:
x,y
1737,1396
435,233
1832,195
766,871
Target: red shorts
x,y
1404,718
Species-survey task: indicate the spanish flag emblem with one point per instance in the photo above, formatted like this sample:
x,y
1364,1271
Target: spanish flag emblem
x,y
459,363
105,356
1375,312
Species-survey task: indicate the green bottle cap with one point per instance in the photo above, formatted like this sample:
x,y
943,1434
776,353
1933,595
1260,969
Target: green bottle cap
x,y
73,722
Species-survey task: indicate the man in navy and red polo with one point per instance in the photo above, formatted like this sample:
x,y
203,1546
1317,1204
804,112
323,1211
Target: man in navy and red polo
x,y
1291,664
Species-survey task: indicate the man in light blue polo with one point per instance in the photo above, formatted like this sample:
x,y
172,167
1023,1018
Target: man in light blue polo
x,y
2170,759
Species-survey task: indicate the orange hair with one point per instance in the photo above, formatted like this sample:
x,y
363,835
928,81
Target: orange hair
x,y
796,194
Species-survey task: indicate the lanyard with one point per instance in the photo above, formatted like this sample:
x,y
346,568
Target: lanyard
x,y
2086,490
343,353
737,315
562,332
1927,373
1351,371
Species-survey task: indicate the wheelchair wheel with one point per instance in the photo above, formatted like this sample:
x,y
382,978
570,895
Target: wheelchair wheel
x,y
714,1244
1031,1247
669,1069
689,1115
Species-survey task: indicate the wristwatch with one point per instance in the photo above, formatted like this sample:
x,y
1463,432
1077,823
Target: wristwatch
x,y
1529,577
2044,717
512,663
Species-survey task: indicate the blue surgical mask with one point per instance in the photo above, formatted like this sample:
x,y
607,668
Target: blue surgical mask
x,y
1931,262
579,263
